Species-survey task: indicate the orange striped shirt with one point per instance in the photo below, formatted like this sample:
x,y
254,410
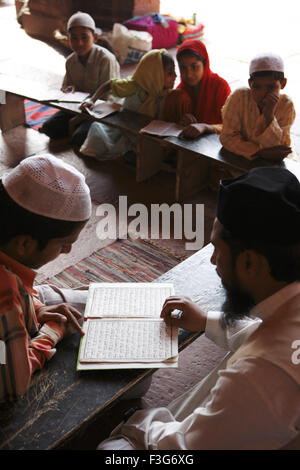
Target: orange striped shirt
x,y
27,345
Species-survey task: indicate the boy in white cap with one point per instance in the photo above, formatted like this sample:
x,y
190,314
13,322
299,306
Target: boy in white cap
x,y
44,205
87,68
257,120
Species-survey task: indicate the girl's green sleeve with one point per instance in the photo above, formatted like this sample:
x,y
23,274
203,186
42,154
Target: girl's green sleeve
x,y
123,87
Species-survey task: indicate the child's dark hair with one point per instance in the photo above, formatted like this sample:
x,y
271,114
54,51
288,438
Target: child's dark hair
x,y
268,73
15,220
189,52
167,59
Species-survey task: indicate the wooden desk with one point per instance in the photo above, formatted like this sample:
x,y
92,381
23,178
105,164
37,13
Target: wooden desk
x,y
195,156
128,122
61,400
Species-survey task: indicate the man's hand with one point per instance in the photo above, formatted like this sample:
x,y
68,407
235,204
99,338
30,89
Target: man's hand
x,y
193,131
61,313
274,154
192,317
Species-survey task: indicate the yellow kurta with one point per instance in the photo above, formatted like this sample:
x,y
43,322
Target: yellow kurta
x,y
244,128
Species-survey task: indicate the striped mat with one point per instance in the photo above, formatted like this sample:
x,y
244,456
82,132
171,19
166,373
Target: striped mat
x,y
37,113
123,261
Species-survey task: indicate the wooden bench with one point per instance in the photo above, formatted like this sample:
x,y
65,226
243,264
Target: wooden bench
x,y
194,157
193,173
62,402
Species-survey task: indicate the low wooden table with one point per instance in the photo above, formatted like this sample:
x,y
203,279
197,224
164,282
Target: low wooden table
x,y
193,157
61,401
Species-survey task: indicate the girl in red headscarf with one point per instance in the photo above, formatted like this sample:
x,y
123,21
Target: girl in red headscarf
x,y
201,94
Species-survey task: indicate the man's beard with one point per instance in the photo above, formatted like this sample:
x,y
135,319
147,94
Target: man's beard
x,y
236,305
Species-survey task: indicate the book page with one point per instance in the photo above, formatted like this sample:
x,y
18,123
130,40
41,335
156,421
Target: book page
x,y
130,340
59,95
127,299
162,129
103,109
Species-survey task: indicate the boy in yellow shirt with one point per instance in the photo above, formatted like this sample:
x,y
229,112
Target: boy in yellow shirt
x,y
257,120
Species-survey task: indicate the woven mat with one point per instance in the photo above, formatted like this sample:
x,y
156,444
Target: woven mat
x,y
123,261
37,113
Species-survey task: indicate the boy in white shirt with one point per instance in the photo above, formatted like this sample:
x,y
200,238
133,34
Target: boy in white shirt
x,y
87,68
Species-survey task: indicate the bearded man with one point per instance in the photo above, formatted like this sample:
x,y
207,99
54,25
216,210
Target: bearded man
x,y
252,399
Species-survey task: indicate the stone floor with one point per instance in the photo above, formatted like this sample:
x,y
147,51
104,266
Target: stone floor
x,y
234,32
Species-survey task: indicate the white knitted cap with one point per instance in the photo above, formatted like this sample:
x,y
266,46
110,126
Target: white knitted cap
x,y
266,62
81,19
47,186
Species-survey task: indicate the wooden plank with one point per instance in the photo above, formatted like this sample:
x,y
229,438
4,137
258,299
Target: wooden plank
x,y
12,113
150,156
209,146
192,174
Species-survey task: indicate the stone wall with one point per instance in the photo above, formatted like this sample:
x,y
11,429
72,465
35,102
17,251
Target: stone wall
x,y
42,17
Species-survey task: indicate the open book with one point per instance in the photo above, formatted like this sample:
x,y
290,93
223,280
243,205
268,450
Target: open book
x,y
123,328
53,95
162,129
103,109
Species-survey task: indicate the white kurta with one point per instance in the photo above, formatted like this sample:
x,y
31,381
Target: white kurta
x,y
251,403
101,66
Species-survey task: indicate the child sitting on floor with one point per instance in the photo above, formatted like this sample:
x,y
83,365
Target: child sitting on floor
x,y
145,93
198,100
44,205
257,120
87,68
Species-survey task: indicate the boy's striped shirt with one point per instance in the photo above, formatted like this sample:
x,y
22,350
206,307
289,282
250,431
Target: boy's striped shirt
x,y
27,345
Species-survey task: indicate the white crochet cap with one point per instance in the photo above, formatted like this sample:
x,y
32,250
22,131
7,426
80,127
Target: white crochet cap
x,y
81,19
266,62
47,186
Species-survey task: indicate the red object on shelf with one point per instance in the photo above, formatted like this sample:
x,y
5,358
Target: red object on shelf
x,y
193,32
162,37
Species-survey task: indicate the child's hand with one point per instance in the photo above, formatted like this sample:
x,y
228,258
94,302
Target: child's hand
x,y
61,313
88,103
193,131
274,154
192,317
268,105
187,119
68,89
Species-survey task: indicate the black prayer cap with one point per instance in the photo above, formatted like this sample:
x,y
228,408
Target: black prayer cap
x,y
262,205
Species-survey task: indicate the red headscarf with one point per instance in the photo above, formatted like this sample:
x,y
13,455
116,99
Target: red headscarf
x,y
212,93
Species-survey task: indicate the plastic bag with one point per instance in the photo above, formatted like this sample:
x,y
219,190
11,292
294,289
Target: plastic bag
x,y
130,46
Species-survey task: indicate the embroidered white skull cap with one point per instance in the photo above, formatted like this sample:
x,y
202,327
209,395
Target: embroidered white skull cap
x,y
266,62
47,186
81,19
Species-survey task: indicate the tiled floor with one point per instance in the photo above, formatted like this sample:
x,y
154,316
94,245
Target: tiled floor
x,y
234,32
